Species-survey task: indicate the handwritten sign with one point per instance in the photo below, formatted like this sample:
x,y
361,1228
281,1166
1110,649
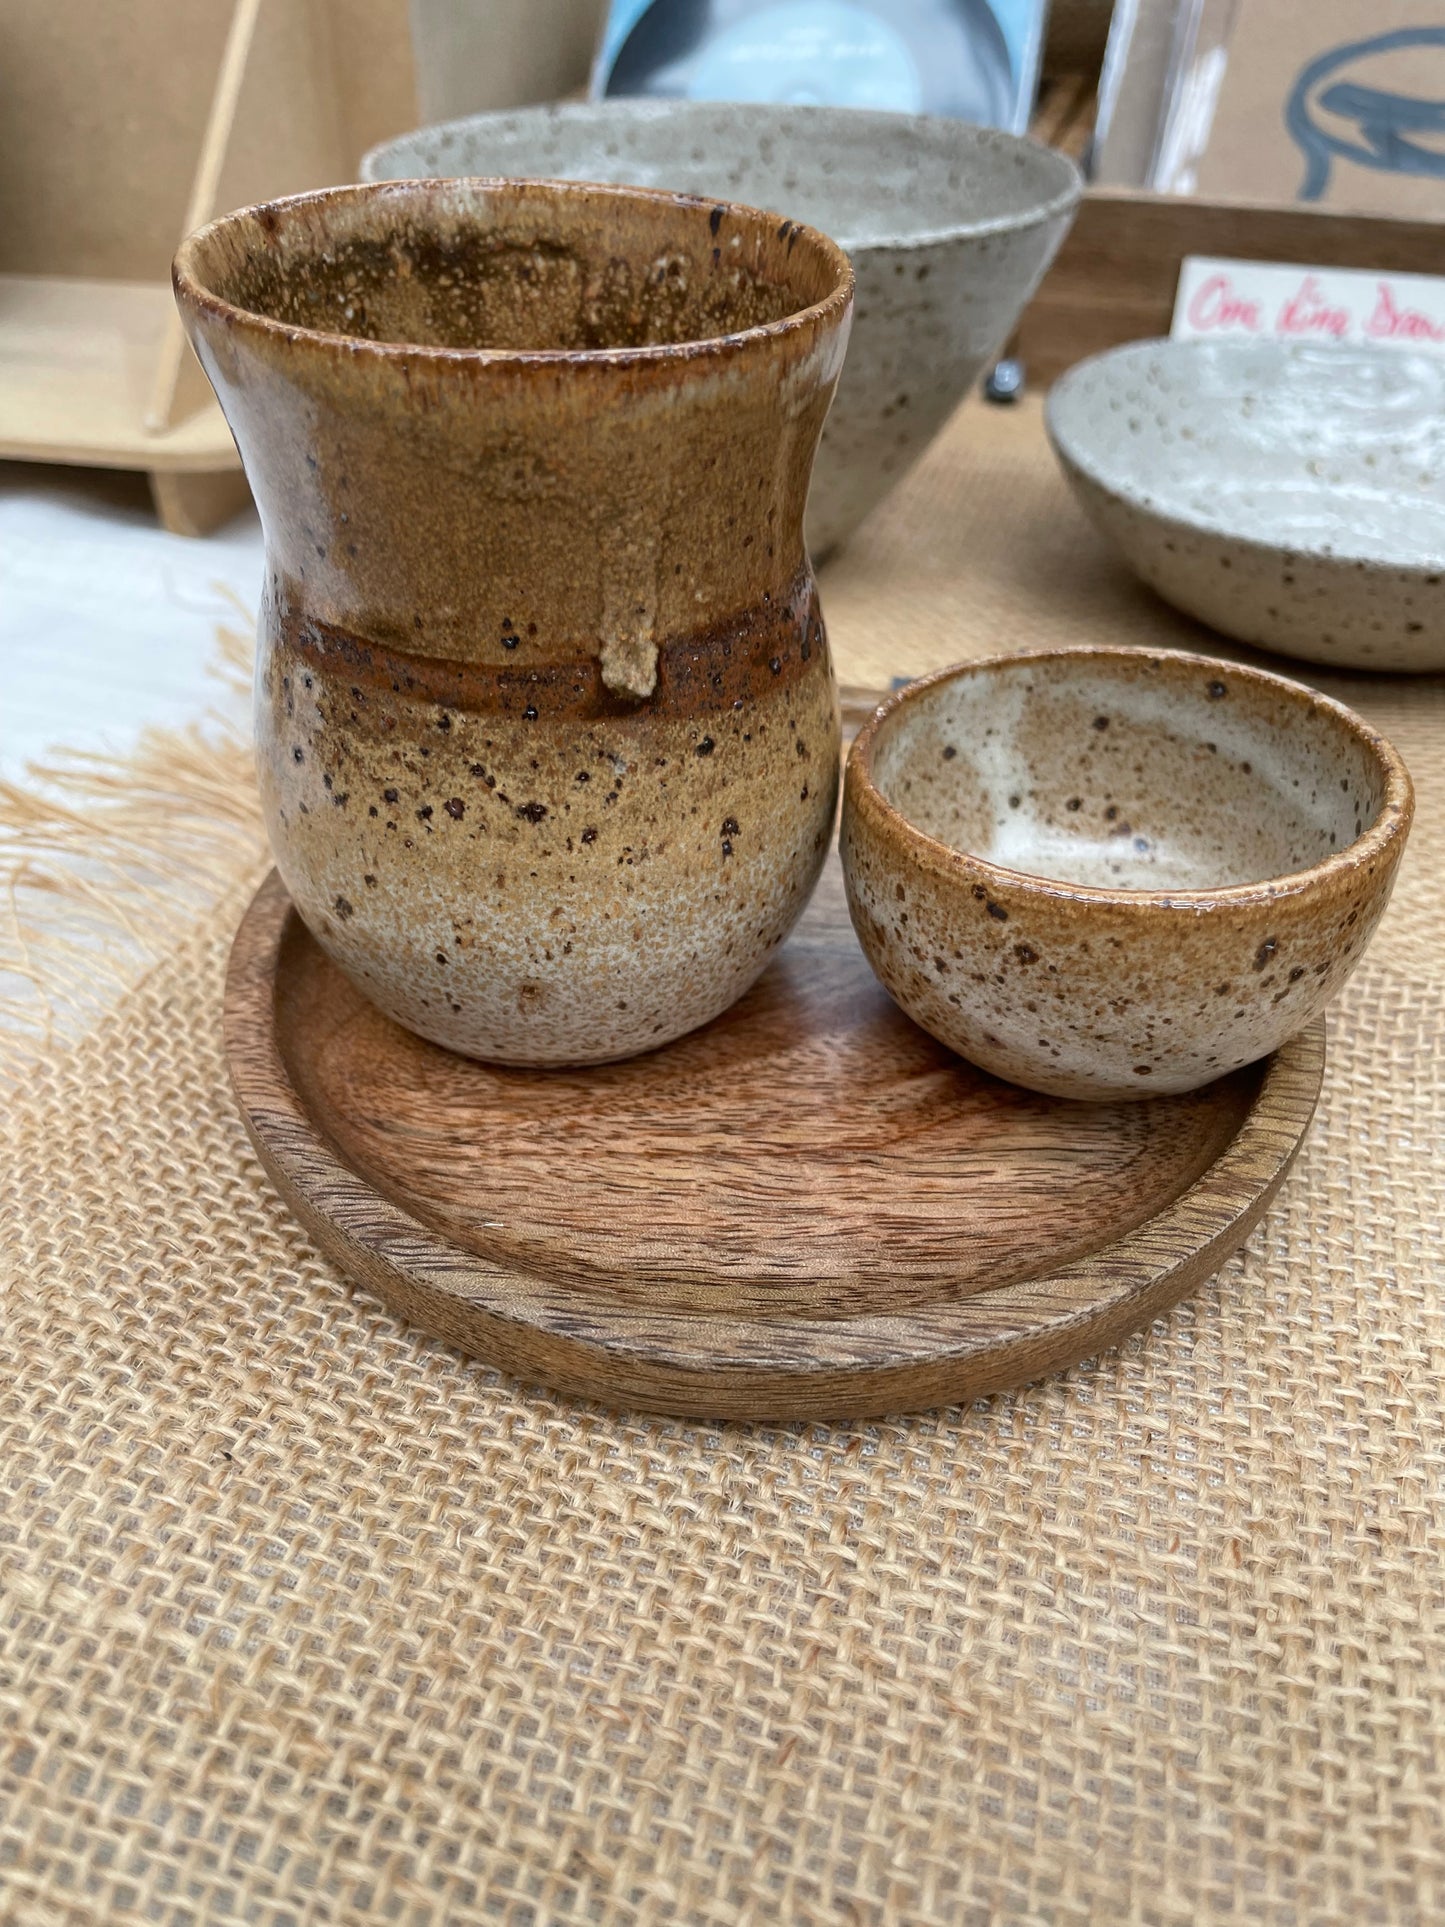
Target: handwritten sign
x,y
1259,299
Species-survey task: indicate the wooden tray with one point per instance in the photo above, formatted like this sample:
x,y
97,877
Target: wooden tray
x,y
807,1210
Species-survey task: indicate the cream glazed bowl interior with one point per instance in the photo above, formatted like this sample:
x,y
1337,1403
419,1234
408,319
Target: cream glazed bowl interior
x,y
1108,873
1287,493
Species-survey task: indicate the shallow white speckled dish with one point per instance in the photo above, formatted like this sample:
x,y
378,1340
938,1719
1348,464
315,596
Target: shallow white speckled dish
x,y
1290,495
949,228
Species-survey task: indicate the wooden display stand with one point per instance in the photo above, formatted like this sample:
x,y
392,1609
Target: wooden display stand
x,y
123,129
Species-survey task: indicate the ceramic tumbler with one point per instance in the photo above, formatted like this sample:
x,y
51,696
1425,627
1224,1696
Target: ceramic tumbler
x,y
546,723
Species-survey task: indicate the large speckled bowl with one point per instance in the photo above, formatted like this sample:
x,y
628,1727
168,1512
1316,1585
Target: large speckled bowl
x,y
546,725
1287,494
1110,873
949,229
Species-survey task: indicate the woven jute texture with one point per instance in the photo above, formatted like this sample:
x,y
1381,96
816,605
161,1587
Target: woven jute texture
x,y
305,1618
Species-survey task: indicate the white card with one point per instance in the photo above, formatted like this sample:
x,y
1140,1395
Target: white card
x,y
1252,300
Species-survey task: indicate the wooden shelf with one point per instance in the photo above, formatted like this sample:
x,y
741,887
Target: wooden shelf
x,y
123,129
77,370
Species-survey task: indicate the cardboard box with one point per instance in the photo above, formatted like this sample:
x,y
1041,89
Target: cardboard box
x,y
1338,103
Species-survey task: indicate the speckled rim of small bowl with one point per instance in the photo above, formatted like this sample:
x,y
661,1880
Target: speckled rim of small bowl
x,y
1067,195
187,281
1119,485
1391,821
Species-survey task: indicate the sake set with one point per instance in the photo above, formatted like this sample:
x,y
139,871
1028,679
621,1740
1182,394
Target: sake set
x,y
544,1024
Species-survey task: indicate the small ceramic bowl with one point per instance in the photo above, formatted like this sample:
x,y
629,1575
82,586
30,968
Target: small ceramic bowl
x,y
1287,494
949,228
1111,873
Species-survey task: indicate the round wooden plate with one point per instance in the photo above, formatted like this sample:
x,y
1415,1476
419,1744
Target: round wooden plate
x,y
807,1210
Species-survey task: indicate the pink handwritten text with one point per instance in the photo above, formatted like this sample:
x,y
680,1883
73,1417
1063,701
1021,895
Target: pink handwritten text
x,y
1388,321
1308,313
1222,300
1215,308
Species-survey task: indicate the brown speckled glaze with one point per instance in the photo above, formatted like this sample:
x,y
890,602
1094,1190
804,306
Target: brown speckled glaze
x,y
546,721
1113,873
949,228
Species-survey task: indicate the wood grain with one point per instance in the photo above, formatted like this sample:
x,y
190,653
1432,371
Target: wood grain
x,y
808,1209
1076,33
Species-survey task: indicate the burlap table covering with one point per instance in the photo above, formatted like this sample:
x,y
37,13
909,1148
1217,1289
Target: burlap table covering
x,y
304,1618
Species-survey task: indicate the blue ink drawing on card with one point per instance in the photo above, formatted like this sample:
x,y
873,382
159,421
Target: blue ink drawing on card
x,y
1373,126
